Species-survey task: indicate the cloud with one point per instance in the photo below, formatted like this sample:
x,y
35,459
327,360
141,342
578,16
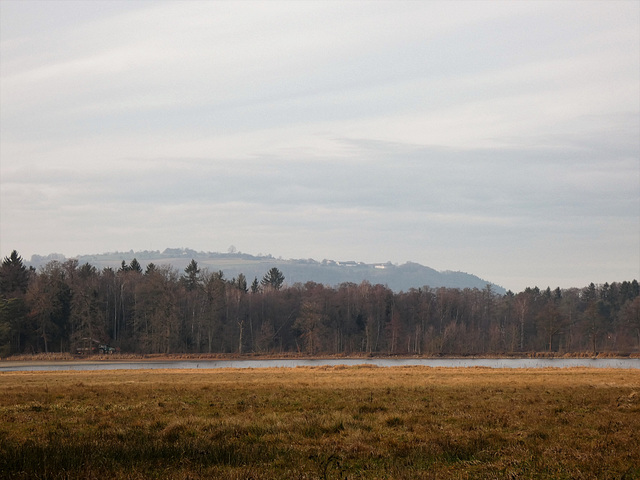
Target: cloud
x,y
482,136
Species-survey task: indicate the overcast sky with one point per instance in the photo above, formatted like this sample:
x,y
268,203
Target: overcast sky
x,y
497,138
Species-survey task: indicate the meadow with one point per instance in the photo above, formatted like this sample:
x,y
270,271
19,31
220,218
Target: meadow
x,y
321,423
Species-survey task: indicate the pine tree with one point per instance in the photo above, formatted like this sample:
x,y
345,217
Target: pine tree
x,y
273,279
151,267
190,278
134,266
14,276
241,283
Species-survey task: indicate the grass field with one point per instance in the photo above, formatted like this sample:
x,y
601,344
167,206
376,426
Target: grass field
x,y
321,423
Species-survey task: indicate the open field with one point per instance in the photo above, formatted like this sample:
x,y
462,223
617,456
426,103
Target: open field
x,y
321,423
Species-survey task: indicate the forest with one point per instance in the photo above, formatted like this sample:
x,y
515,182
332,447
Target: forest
x,y
70,308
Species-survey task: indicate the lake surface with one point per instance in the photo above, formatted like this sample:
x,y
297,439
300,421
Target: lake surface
x,y
317,362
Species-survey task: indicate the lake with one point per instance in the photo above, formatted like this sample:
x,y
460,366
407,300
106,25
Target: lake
x,y
627,363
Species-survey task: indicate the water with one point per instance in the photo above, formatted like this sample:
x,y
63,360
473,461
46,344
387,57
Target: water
x,y
292,363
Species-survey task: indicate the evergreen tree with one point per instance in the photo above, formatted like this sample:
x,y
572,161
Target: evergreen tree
x,y
191,273
14,280
241,283
151,267
14,276
134,266
273,279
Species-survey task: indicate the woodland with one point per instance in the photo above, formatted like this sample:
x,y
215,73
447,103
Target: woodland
x,y
69,307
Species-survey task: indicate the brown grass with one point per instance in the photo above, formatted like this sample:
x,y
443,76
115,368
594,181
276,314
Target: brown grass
x,y
321,423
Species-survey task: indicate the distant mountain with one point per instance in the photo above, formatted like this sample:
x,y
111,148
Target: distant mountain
x,y
328,272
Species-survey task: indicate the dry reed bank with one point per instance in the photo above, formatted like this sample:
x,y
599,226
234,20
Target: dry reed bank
x,y
321,423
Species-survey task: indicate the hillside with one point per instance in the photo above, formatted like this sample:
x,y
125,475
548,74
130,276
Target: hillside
x,y
329,272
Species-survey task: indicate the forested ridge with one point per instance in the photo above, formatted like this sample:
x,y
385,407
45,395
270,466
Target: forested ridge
x,y
69,307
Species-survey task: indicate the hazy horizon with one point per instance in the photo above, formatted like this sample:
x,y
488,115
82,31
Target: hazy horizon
x,y
495,138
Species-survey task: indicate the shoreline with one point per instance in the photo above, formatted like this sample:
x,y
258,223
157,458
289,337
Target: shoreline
x,y
177,357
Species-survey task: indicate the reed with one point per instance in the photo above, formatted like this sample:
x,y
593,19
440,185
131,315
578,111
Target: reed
x,y
321,423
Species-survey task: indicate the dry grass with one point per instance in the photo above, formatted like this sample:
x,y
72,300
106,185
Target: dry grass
x,y
321,423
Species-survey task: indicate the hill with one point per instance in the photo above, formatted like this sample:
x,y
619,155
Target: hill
x,y
329,272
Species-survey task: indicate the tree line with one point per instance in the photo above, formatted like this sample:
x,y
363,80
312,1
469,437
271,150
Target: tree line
x,y
66,307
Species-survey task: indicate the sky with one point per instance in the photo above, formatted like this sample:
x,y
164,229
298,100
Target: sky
x,y
500,139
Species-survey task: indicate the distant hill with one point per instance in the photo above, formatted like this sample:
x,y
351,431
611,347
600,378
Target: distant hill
x,y
328,272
